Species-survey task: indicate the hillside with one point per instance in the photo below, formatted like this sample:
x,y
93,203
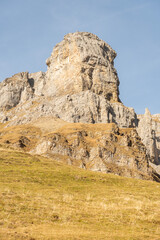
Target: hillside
x,y
44,199
99,147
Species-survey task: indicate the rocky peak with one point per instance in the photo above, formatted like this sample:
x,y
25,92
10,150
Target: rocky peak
x,y
80,85
82,62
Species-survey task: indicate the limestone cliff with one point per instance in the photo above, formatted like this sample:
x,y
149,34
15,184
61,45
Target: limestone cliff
x,y
149,131
81,85
79,63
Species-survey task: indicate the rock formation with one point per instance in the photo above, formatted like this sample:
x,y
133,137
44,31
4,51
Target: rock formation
x,y
15,90
149,131
80,70
81,85
98,147
79,63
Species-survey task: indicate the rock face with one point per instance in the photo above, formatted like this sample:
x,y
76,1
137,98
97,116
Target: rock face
x,y
81,85
99,147
15,90
79,63
149,131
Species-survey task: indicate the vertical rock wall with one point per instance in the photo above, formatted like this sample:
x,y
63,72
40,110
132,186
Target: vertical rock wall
x,y
82,62
149,131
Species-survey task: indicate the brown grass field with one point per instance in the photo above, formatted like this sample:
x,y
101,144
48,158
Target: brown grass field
x,y
43,199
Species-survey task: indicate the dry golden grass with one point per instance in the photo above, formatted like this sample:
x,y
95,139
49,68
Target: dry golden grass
x,y
44,199
11,135
49,124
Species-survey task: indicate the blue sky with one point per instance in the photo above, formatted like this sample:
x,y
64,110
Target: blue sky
x,y
29,29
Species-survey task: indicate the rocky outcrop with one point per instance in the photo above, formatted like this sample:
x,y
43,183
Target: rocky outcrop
x,y
156,129
85,107
81,85
98,147
15,90
79,63
20,88
149,131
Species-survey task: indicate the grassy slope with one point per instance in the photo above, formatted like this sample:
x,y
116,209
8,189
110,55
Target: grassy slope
x,y
43,199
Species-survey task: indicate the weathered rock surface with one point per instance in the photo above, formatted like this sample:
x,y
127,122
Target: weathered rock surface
x,y
37,81
80,85
82,62
149,131
72,108
15,90
98,147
